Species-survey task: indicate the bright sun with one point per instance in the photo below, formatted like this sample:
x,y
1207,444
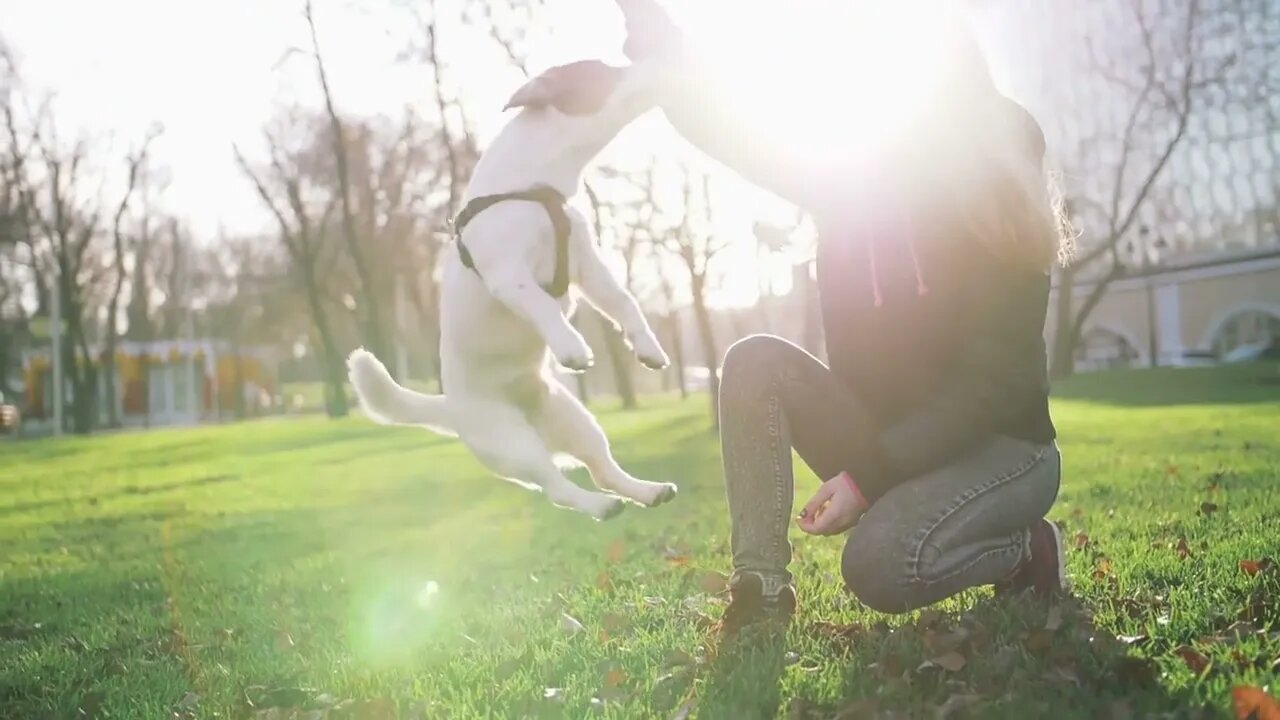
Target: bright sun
x,y
841,75
828,76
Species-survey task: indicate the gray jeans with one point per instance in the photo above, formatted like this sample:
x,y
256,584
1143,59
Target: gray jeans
x,y
957,527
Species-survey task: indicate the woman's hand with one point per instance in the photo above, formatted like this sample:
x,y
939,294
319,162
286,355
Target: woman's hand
x,y
834,508
650,32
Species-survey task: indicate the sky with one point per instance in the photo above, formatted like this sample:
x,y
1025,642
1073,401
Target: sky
x,y
212,73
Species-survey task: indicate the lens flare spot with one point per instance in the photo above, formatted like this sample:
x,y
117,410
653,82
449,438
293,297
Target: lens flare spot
x,y
427,595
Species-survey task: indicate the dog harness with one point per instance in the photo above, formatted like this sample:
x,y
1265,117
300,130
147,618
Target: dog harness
x,y
552,201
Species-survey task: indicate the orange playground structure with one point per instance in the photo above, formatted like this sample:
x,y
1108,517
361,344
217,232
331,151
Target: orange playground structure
x,y
167,382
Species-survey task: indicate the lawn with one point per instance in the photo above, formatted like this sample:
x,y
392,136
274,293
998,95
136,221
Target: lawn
x,y
308,568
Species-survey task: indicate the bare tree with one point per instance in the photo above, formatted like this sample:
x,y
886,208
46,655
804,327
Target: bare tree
x,y
135,164
615,344
1165,91
289,196
370,289
694,242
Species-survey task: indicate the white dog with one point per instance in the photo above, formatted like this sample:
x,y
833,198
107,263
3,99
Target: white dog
x,y
522,258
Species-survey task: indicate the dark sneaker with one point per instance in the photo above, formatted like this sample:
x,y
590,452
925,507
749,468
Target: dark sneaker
x,y
1044,573
748,604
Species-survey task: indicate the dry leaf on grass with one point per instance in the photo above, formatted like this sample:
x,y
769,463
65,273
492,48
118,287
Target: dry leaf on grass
x,y
1134,640
1082,540
1184,550
1103,569
1054,621
553,694
570,624
928,618
684,711
1255,567
1196,661
1208,508
616,552
951,662
957,703
1252,703
712,581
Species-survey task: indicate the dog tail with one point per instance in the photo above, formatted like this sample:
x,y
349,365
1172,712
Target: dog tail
x,y
387,402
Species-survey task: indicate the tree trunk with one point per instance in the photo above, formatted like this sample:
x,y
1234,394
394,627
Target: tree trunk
x,y
620,359
331,362
674,332
373,331
709,351
1062,356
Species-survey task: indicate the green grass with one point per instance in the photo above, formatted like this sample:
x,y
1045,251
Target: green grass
x,y
286,563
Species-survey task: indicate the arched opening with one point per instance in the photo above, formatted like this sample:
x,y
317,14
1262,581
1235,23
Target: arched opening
x,y
1105,349
1247,334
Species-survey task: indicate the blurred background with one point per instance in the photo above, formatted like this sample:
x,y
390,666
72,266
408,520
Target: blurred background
x,y
205,206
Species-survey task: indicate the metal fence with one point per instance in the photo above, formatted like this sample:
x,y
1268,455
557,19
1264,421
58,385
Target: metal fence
x,y
1078,65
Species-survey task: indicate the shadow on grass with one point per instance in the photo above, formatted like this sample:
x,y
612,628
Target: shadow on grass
x,y
1227,385
998,660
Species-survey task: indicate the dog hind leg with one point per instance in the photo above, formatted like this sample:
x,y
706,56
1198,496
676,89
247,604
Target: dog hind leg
x,y
568,427
508,445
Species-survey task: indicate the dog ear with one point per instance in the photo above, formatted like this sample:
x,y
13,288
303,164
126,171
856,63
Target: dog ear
x,y
579,88
538,92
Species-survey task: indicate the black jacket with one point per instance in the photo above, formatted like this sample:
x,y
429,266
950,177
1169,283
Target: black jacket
x,y
943,341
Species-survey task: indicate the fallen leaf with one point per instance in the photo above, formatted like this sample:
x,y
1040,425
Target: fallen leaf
x,y
616,552
1054,620
1184,550
554,694
675,557
928,618
1134,640
1120,710
189,701
859,709
1195,660
1063,675
1103,569
1171,470
951,662
678,658
1254,567
1038,641
684,711
570,624
614,622
1135,671
90,704
604,581
670,688
939,643
1082,540
712,581
956,703
1252,703
1208,508
611,688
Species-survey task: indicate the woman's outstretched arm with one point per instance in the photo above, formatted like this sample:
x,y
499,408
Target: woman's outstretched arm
x,y
718,124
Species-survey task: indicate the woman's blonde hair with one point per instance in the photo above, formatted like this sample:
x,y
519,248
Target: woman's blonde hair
x,y
984,155
1014,204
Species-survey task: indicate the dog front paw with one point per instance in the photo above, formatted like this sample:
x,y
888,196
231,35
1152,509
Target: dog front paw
x,y
650,353
576,356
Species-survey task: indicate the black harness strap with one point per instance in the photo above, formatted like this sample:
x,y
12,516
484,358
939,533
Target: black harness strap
x,y
552,201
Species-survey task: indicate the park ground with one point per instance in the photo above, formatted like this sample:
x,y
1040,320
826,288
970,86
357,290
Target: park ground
x,y
308,568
